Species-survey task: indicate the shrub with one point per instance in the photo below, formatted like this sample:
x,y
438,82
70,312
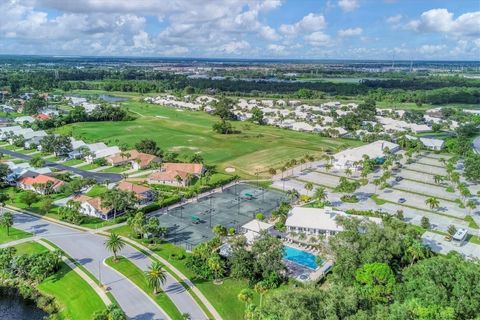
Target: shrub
x,y
349,198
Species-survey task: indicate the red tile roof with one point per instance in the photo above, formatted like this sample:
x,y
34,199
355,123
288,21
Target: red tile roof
x,y
41,179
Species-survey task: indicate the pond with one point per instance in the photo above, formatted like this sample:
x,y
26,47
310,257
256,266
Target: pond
x,y
111,99
13,307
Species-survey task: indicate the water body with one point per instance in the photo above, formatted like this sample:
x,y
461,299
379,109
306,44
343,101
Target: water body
x,y
111,99
16,308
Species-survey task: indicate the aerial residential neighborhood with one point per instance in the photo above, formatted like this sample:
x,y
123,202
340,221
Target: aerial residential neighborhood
x,y
239,160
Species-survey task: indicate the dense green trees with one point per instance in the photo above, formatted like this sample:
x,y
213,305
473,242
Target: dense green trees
x,y
148,146
383,273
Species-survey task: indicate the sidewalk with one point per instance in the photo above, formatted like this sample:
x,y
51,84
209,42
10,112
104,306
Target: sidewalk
x,y
101,293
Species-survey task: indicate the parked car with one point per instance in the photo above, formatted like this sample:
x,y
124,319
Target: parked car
x,y
402,200
398,179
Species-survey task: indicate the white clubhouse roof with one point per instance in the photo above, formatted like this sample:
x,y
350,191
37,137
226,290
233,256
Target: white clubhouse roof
x,y
432,143
373,150
321,219
257,226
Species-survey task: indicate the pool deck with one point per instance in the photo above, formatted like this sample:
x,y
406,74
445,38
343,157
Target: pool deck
x,y
295,270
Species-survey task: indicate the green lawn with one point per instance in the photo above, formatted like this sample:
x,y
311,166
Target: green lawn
x,y
96,190
256,147
14,234
89,166
76,299
132,272
30,247
73,162
117,169
223,297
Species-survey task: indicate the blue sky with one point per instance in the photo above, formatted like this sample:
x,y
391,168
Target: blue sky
x,y
341,29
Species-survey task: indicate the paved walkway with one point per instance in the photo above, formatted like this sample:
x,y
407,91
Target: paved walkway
x,y
101,293
89,251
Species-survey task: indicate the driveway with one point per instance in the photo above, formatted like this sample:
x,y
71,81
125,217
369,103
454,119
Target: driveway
x,y
89,250
100,177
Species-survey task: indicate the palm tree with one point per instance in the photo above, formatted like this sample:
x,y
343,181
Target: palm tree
x,y
471,204
415,252
328,166
308,186
114,243
348,172
4,197
433,203
246,296
438,178
6,220
215,264
156,276
261,289
320,194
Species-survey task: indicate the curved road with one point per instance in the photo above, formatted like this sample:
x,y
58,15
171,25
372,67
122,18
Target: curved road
x,y
88,249
101,177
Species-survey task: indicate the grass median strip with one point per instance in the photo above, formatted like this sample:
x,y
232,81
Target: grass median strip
x,y
134,274
12,235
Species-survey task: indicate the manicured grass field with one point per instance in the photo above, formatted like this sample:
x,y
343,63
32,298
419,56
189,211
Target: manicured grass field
x,y
30,247
73,162
89,166
117,169
132,272
14,234
255,148
96,190
76,299
223,296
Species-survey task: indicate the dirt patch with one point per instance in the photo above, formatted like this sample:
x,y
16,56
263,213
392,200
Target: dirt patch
x,y
230,170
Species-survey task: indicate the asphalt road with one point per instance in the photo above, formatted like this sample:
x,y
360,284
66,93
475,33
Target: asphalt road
x,y
476,144
89,250
100,177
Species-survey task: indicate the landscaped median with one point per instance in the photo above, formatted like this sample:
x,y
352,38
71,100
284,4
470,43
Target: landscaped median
x,y
73,297
222,297
130,271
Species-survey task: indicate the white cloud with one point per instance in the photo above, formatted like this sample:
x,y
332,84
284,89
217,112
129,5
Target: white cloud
x,y
235,47
348,5
276,48
350,32
394,19
319,39
310,23
432,49
442,21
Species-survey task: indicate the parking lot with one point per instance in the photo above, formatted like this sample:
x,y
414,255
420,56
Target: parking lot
x,y
192,223
415,188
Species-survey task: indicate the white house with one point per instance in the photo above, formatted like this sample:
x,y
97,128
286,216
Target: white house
x,y
432,144
5,130
24,119
377,149
102,153
316,221
253,229
92,206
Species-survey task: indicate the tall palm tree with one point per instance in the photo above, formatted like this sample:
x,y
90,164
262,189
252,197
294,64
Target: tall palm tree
x,y
6,220
415,252
438,178
433,203
348,172
4,197
320,194
261,288
246,296
471,204
114,243
156,276
308,186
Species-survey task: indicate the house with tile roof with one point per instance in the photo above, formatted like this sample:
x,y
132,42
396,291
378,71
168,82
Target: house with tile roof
x,y
40,183
92,206
143,194
138,160
176,174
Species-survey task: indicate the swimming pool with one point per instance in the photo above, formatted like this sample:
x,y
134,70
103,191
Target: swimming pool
x,y
300,257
